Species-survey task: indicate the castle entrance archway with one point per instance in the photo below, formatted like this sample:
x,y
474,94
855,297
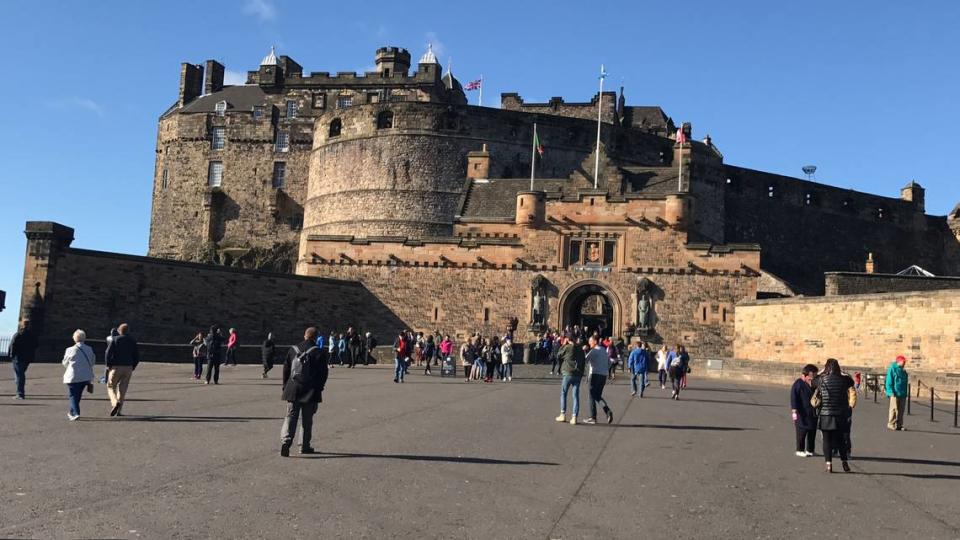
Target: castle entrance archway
x,y
592,305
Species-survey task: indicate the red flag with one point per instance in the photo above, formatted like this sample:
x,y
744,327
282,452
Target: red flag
x,y
473,85
681,136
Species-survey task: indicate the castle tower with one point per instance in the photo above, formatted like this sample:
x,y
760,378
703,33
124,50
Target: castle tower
x,y
393,61
270,70
914,192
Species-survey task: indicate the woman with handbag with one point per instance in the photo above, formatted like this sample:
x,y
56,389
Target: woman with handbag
x,y
831,395
78,361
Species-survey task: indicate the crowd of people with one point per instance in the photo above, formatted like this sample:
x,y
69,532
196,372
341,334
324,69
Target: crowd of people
x,y
825,401
819,400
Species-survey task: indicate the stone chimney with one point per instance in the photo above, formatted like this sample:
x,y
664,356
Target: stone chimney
x,y
478,163
870,266
191,83
214,79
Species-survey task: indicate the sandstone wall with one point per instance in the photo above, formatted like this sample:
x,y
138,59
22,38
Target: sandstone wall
x,y
868,331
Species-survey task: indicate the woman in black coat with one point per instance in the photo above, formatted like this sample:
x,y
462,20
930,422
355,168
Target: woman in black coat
x,y
803,413
833,388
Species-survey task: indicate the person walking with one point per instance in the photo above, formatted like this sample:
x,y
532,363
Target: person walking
x,y
506,359
429,351
599,363
489,360
353,346
113,334
214,343
832,390
896,386
466,359
803,414
199,355
332,348
572,361
78,375
305,372
122,358
662,366
22,351
677,367
369,345
232,344
342,350
638,364
400,362
446,349
267,351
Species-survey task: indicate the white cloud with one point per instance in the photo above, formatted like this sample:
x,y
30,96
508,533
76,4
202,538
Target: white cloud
x,y
78,103
234,78
264,10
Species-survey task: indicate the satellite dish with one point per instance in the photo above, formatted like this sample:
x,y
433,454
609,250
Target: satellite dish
x,y
809,170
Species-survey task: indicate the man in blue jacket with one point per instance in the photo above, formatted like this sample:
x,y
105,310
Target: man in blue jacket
x,y
638,363
896,383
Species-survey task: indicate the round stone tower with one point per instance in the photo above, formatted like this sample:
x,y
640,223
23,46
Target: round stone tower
x,y
385,169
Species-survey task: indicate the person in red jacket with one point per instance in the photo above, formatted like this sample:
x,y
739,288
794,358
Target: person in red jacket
x,y
400,361
232,348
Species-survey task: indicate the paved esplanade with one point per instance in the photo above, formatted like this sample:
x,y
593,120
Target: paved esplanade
x,y
437,458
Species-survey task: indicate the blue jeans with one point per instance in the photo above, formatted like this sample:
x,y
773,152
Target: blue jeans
x,y
568,381
643,382
399,366
20,374
507,370
75,392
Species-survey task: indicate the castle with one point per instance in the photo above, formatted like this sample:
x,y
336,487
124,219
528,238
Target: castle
x,y
384,199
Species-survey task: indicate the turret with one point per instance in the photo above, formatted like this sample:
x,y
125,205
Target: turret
x,y
478,163
531,209
914,193
392,61
269,70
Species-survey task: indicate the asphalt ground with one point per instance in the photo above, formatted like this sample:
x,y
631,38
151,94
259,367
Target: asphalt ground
x,y
439,458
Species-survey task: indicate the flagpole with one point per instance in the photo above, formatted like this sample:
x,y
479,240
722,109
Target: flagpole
x,y
480,103
680,140
533,154
596,164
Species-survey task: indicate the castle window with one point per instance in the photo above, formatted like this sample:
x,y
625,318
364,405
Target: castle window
x,y
215,174
319,101
258,112
291,109
217,137
770,191
296,222
335,126
163,179
385,120
282,144
881,213
279,174
848,205
397,97
344,102
220,108
373,97
574,252
810,199
436,314
486,314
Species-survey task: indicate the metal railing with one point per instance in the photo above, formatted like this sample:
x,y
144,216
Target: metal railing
x,y
918,390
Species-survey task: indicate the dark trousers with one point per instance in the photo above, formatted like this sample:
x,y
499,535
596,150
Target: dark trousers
x,y
833,440
197,367
662,376
466,371
806,439
231,356
554,363
597,382
354,356
267,365
298,411
490,368
75,392
676,379
213,368
20,374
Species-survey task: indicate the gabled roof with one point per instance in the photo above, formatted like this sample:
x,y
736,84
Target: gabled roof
x,y
498,198
914,270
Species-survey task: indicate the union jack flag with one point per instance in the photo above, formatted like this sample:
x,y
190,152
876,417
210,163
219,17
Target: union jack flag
x,y
473,85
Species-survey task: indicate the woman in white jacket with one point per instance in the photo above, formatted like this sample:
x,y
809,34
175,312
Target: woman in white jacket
x,y
78,361
662,366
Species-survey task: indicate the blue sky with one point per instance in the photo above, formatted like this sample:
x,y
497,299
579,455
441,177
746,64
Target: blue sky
x,y
865,90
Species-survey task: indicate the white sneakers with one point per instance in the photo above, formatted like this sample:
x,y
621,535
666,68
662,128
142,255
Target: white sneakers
x,y
561,418
72,417
573,420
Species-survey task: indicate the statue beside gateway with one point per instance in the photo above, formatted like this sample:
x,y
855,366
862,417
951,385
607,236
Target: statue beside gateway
x,y
538,293
644,305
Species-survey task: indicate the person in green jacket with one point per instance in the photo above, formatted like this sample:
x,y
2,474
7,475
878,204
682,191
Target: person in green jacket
x,y
896,383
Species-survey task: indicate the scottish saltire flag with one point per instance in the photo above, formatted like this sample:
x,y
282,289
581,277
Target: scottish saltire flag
x,y
474,85
603,72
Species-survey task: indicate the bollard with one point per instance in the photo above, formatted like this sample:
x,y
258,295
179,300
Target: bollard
x,y
918,388
908,399
931,404
875,394
956,405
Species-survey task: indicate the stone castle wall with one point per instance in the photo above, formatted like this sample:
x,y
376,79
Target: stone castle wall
x,y
843,283
866,331
835,232
407,180
168,302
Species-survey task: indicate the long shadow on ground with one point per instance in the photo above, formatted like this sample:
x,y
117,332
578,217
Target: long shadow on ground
x,y
416,457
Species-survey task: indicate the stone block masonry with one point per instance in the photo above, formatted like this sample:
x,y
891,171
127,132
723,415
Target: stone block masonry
x,y
866,331
169,301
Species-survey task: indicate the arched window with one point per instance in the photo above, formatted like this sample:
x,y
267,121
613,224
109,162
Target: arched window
x,y
385,120
335,126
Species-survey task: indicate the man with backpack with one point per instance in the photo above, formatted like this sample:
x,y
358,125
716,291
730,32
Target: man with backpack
x,y
304,376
